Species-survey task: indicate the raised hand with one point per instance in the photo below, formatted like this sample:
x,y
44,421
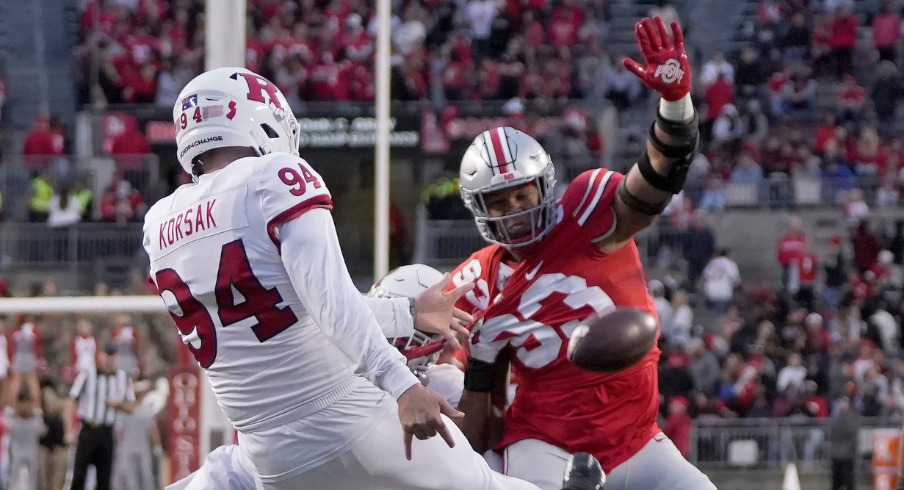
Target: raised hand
x,y
436,312
667,69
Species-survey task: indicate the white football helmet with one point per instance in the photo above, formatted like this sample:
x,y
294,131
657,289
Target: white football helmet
x,y
232,107
421,349
501,158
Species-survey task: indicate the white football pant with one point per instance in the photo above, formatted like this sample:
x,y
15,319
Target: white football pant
x,y
375,462
221,469
657,466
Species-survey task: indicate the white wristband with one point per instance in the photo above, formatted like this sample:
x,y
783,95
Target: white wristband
x,y
679,111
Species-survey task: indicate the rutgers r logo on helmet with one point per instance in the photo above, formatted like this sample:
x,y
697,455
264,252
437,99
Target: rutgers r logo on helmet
x,y
670,71
257,85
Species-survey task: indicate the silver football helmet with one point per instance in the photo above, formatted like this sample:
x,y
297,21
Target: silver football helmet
x,y
502,158
421,349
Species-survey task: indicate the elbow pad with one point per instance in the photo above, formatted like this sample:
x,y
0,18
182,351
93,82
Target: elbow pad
x,y
480,376
688,142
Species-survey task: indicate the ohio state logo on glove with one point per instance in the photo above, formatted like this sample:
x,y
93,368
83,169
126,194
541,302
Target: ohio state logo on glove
x,y
667,69
670,71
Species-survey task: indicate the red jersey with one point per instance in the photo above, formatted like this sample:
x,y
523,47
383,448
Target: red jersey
x,y
536,306
791,248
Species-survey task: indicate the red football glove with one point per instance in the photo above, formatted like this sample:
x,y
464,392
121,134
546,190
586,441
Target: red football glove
x,y
668,70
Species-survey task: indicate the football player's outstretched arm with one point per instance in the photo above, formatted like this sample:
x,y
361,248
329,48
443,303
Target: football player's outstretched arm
x,y
672,141
328,294
393,315
433,312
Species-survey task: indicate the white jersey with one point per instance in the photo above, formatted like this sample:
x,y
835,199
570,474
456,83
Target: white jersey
x,y
85,351
248,263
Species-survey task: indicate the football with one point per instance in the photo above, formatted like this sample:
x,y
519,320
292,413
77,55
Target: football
x,y
614,341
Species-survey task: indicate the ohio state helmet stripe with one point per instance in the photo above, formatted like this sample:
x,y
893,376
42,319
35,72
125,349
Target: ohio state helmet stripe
x,y
488,146
500,149
506,148
596,198
590,181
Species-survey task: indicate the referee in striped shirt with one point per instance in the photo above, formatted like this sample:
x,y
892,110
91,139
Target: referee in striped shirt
x,y
100,394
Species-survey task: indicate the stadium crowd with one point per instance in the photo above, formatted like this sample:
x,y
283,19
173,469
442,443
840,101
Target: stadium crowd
x,y
322,51
827,335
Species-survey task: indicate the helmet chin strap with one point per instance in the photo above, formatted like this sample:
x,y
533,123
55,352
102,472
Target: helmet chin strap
x,y
197,169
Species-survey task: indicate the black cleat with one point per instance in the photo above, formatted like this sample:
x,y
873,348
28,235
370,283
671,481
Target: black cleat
x,y
583,472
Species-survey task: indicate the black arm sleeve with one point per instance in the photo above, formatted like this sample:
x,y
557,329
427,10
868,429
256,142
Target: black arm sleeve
x,y
480,376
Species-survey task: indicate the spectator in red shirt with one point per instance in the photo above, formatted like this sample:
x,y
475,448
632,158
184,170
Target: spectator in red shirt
x,y
868,155
411,84
121,203
814,403
886,31
770,12
558,73
257,47
678,424
791,250
328,79
844,38
102,21
361,84
852,98
42,143
534,35
825,132
142,46
563,30
862,286
141,85
717,96
534,85
357,43
865,245
130,149
819,340
821,45
455,76
487,80
809,268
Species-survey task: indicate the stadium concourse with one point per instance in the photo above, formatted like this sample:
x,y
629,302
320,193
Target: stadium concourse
x,y
777,273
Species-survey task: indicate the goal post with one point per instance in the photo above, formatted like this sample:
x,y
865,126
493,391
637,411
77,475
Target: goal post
x,y
83,305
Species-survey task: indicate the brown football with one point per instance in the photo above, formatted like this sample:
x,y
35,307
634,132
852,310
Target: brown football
x,y
614,341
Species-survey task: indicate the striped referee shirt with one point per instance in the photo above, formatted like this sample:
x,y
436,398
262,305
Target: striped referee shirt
x,y
93,389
